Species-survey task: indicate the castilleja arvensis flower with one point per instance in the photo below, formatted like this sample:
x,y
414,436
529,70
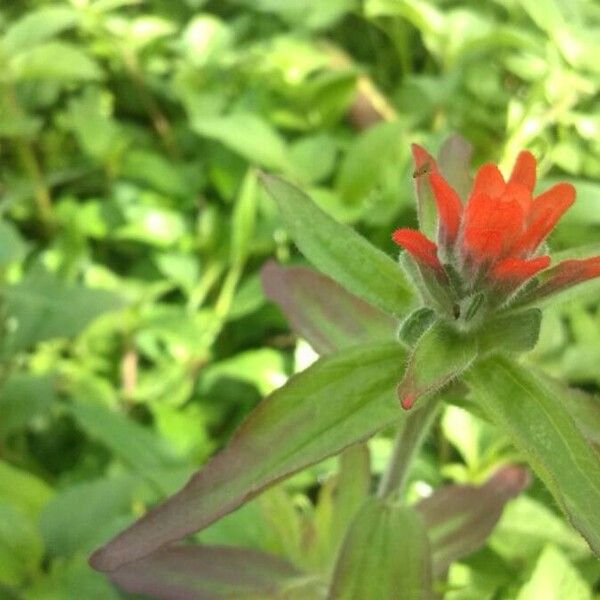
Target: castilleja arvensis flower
x,y
490,252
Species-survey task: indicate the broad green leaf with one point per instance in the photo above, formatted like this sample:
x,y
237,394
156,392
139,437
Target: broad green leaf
x,y
323,312
527,525
555,578
59,61
135,445
530,409
248,135
585,409
42,306
21,546
441,355
459,518
370,161
385,554
79,516
69,579
23,489
37,26
339,251
12,246
24,398
209,573
511,332
296,426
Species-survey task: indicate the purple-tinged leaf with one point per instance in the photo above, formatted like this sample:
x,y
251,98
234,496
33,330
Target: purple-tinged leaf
x,y
338,401
459,518
186,572
322,311
385,555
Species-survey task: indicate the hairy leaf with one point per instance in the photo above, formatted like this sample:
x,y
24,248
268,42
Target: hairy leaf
x,y
530,409
339,251
338,401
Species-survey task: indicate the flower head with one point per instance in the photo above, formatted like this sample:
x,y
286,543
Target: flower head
x,y
490,244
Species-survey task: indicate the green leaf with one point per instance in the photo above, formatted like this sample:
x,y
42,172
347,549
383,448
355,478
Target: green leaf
x,y
79,517
530,409
23,490
248,135
135,445
555,578
12,246
59,61
459,518
21,546
511,332
36,27
208,573
441,355
339,251
23,398
385,554
296,426
243,219
42,306
323,312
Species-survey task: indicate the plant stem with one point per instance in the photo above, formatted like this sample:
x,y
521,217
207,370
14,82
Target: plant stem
x,y
407,443
29,160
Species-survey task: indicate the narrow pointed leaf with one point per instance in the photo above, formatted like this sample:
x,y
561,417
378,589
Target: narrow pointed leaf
x,y
530,408
206,573
459,518
339,251
338,401
385,555
322,311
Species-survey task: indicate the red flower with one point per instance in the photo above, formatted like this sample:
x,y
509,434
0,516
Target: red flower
x,y
491,244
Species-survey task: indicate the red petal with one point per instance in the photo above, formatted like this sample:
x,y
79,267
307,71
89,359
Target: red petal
x,y
545,211
524,170
418,246
488,181
423,161
491,226
570,272
517,270
449,207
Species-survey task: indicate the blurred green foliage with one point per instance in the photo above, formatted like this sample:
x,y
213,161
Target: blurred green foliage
x,y
135,334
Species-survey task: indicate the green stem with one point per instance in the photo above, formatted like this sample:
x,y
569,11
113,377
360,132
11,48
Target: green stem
x,y
406,445
29,160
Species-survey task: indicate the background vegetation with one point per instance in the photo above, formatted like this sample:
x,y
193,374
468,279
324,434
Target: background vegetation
x,y
135,333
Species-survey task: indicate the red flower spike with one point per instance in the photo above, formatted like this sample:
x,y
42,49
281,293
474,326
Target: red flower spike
x,y
524,170
545,212
491,227
423,250
517,270
488,181
498,232
449,208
